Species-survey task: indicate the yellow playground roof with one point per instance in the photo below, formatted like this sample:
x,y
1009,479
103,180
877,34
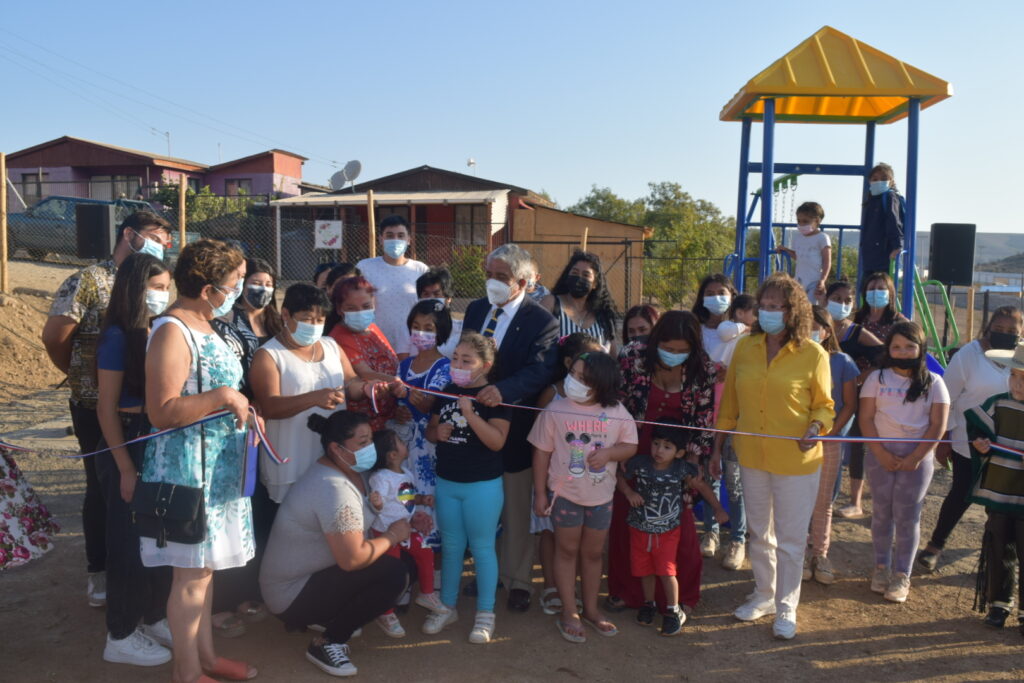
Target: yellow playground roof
x,y
834,78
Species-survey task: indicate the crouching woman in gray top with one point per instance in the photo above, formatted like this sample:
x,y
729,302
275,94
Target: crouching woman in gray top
x,y
319,566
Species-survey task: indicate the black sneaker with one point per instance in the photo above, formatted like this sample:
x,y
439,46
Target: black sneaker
x,y
672,622
645,615
996,617
928,559
332,658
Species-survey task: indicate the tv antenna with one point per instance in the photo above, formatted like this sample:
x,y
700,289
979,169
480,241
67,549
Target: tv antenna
x,y
348,174
471,162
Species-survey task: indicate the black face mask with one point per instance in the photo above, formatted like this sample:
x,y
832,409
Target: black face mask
x,y
259,298
577,286
905,363
1004,341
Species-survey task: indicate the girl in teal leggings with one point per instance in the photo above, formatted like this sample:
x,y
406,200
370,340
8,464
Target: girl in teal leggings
x,y
469,493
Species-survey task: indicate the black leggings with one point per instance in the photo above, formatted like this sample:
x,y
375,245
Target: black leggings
x,y
856,453
134,592
955,504
342,601
94,509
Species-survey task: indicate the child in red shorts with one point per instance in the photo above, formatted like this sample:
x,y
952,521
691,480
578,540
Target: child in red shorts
x,y
656,498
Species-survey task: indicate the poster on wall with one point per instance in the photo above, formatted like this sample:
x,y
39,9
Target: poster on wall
x,y
327,235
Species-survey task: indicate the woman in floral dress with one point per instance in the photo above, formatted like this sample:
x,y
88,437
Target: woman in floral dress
x,y
26,526
191,372
671,376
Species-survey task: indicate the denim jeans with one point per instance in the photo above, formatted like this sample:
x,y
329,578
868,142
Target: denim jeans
x,y
734,488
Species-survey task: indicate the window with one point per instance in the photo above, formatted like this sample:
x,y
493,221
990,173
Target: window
x,y
193,184
237,186
32,187
472,224
111,187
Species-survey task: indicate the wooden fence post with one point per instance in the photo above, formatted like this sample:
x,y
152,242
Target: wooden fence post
x,y
182,196
371,222
4,277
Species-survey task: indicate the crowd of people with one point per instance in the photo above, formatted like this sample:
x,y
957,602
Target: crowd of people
x,y
537,425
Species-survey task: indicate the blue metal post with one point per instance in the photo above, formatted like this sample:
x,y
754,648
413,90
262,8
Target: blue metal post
x,y
910,219
767,175
741,207
869,162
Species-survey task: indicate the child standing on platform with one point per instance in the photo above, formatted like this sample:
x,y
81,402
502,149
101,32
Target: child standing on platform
x,y
901,400
394,496
577,442
656,498
812,251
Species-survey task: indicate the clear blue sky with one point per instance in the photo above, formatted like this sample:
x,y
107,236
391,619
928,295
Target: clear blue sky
x,y
548,95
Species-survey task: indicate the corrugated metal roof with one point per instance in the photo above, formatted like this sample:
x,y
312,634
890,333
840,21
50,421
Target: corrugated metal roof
x,y
389,198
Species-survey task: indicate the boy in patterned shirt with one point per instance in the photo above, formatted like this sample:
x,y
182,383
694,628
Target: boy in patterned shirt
x,y
656,497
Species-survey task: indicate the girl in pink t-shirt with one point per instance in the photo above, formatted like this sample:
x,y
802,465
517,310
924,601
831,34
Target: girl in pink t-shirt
x,y
578,440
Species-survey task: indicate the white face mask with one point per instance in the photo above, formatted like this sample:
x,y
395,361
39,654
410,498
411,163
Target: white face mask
x,y
576,390
498,293
805,228
156,301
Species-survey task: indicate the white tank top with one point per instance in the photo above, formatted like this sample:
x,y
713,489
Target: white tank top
x,y
290,436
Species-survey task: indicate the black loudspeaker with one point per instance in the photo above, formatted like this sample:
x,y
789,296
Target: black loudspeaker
x,y
951,253
95,230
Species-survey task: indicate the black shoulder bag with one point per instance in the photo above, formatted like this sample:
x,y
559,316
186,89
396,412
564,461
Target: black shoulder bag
x,y
171,512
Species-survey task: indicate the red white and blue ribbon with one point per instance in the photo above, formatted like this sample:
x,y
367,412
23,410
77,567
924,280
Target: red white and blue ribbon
x,y
253,423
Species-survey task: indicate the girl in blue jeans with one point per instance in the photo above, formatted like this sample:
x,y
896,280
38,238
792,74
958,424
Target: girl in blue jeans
x,y
902,400
469,494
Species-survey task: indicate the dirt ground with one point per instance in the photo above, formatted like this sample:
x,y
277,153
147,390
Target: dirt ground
x,y
846,632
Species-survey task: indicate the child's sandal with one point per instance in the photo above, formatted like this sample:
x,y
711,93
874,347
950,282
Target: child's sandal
x,y
550,602
602,626
232,669
571,633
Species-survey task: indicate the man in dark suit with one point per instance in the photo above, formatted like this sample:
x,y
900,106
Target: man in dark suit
x,y
527,338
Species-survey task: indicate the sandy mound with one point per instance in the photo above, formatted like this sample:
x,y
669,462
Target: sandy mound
x,y
24,365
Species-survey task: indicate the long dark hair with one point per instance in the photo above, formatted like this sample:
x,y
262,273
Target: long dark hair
x,y
599,301
271,316
701,311
920,376
678,325
127,310
648,312
890,313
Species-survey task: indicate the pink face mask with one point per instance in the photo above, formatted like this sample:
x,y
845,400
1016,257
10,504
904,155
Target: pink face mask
x,y
423,340
461,377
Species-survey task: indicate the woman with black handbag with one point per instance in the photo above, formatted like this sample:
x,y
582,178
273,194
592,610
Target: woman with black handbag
x,y
189,506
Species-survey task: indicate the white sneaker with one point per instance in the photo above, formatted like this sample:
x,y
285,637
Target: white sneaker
x,y
823,571
136,649
436,621
735,554
880,580
405,598
430,601
709,544
159,632
390,624
754,609
784,627
96,589
899,588
483,628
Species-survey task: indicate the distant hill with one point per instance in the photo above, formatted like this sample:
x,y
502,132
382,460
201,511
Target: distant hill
x,y
989,247
1010,264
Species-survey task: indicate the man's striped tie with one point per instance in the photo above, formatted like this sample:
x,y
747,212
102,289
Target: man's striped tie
x,y
492,324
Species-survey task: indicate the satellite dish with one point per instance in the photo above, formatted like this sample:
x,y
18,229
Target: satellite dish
x,y
346,175
471,162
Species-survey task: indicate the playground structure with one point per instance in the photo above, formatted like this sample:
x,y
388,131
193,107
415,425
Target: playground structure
x,y
829,78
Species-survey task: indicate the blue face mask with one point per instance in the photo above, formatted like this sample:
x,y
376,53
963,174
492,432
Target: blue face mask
x,y
230,296
366,457
717,304
771,322
395,248
359,321
306,334
878,298
150,247
839,311
670,359
816,335
877,187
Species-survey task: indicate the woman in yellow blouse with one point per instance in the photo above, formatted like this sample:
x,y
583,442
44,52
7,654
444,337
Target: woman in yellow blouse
x,y
778,383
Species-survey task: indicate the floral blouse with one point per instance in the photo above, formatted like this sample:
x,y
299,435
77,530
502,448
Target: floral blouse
x,y
697,401
372,348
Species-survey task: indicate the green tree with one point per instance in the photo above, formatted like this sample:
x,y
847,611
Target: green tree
x,y
691,237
